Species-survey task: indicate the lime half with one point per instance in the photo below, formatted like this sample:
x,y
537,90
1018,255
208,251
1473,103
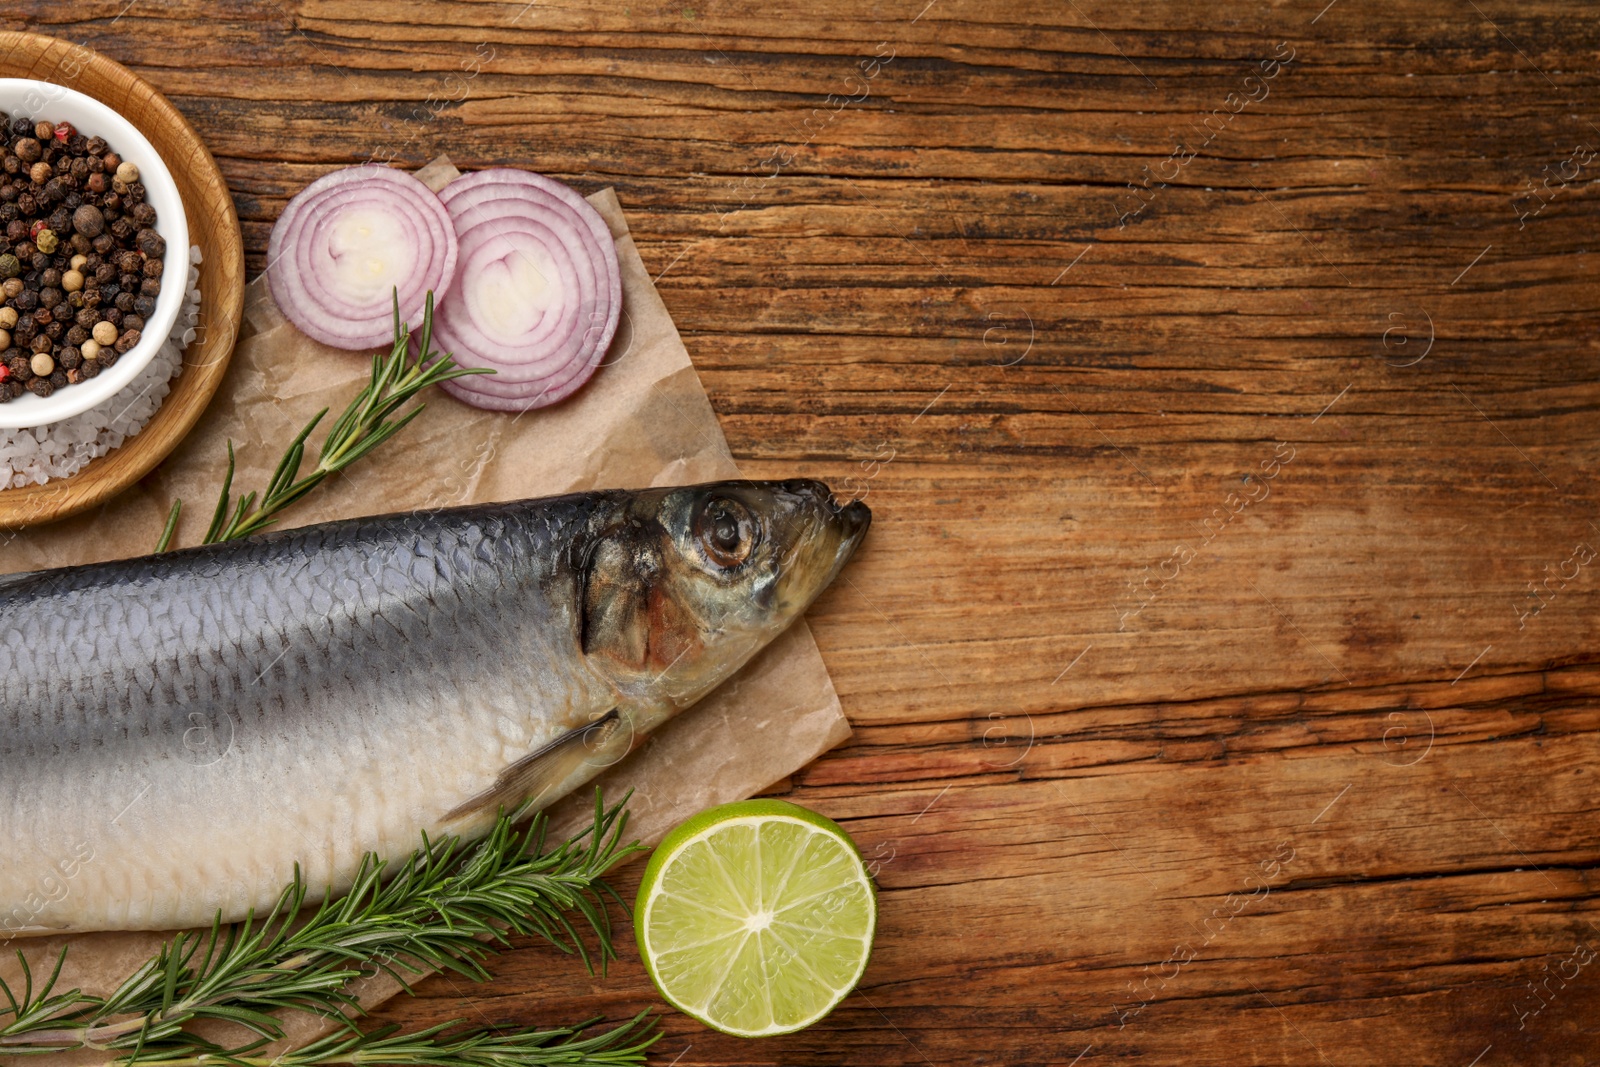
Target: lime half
x,y
756,918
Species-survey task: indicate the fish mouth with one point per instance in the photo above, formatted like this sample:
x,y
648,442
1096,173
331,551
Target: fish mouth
x,y
848,521
855,518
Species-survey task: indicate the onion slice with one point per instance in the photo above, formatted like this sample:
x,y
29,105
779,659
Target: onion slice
x,y
539,294
349,244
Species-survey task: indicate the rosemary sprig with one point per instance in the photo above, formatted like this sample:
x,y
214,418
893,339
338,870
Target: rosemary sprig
x,y
449,907
447,1045
367,422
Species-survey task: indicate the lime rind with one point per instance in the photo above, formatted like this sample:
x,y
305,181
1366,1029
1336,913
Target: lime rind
x,y
756,918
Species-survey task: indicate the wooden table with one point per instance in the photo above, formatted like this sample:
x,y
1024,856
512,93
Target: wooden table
x,y
1223,381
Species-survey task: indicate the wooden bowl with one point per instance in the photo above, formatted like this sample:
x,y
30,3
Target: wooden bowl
x,y
213,225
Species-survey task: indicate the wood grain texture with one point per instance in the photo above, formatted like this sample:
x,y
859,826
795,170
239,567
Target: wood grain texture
x,y
1158,759
213,225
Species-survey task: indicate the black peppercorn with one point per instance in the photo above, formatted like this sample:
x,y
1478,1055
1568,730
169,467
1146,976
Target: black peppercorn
x,y
26,300
153,268
104,272
40,260
104,243
27,149
133,322
88,221
69,357
88,316
55,330
51,277
123,229
124,301
152,243
128,282
18,363
40,387
144,305
89,369
59,378
128,339
26,203
150,287
112,315
40,343
77,335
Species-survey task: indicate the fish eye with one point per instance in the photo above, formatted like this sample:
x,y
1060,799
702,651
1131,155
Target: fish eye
x,y
726,531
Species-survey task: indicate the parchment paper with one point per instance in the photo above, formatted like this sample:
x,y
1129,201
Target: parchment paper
x,y
643,420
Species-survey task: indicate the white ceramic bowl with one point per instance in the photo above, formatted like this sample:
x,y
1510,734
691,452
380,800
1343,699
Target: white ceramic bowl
x,y
25,98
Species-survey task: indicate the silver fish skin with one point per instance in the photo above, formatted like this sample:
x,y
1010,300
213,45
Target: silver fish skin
x,y
177,732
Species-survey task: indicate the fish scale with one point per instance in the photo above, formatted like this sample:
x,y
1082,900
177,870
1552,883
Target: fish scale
x,y
337,708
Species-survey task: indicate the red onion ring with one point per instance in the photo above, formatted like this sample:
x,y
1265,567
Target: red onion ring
x,y
349,243
540,293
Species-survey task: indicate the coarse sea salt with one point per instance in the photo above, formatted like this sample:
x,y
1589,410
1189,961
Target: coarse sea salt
x,y
61,449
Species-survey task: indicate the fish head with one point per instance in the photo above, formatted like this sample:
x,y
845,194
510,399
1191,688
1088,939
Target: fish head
x,y
684,585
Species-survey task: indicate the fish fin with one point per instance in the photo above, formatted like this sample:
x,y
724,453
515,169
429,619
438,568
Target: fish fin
x,y
33,931
532,779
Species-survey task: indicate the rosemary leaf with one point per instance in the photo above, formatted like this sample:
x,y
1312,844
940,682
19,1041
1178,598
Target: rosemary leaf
x,y
171,527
